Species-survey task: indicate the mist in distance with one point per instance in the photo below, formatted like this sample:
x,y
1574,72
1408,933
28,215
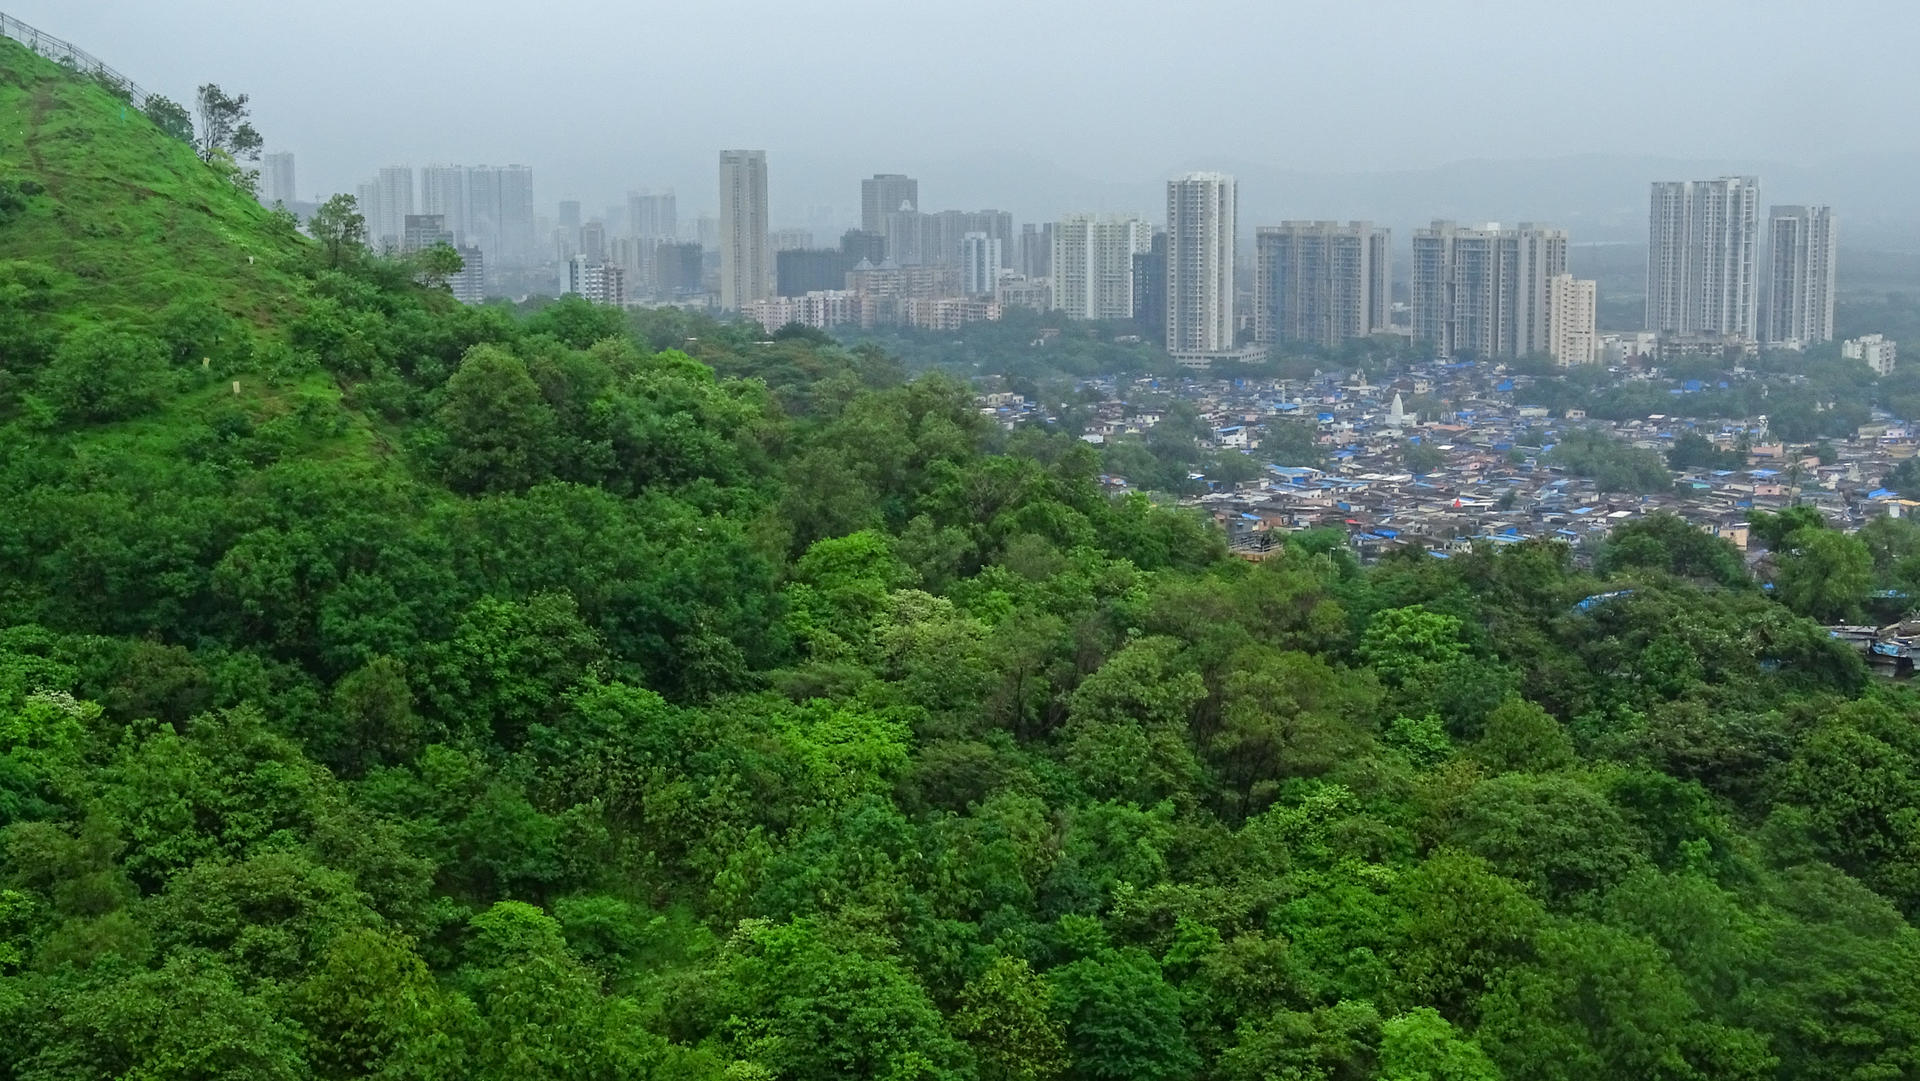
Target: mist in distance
x,y
1398,111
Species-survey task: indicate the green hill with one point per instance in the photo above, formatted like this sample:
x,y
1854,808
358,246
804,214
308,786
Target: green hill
x,y
512,696
172,288
127,219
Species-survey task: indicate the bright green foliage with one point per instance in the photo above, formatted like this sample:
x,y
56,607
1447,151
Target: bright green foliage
x,y
1126,735
1552,833
1822,574
1667,542
1006,1017
1404,644
1419,1045
561,691
806,1003
101,375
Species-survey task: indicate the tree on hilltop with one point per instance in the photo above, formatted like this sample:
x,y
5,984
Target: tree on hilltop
x,y
224,128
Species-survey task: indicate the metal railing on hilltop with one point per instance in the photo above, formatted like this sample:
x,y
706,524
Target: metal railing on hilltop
x,y
74,59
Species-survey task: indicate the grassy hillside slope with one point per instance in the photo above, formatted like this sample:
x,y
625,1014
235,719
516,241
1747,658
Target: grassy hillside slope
x,y
148,377
129,220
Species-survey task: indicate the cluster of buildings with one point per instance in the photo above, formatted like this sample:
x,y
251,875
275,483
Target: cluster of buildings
x,y
486,212
1481,291
1704,267
1498,482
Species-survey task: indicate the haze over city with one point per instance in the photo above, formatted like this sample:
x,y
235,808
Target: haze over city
x,y
884,542
1042,109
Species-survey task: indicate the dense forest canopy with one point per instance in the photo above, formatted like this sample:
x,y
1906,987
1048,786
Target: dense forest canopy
x,y
395,689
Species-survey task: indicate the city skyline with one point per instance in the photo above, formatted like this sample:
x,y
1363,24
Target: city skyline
x,y
1475,290
1722,113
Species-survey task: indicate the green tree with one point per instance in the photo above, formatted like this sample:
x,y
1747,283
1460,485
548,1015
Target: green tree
x,y
1420,458
1420,1045
435,265
1005,1015
340,228
1520,736
190,1018
1667,542
542,1015
500,431
171,117
223,128
1823,574
1403,643
1122,1019
100,374
371,1007
807,1004
1775,528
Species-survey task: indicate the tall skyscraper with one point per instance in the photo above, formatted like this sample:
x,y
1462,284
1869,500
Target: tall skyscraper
x,y
890,206
884,194
443,191
393,201
483,212
1703,240
1202,217
745,269
1485,291
1572,310
515,185
1321,282
1800,260
1150,287
566,230
651,215
277,180
979,263
678,268
365,195
1093,264
1036,250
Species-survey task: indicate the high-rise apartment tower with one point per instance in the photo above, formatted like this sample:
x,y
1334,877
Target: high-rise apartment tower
x,y
1800,261
1486,291
745,267
1321,282
1703,240
1202,220
1093,264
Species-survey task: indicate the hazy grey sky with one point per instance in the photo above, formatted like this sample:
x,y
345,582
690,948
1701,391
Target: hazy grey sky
x,y
600,96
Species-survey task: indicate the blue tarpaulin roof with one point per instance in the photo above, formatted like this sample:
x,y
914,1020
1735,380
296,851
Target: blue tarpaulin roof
x,y
1588,603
